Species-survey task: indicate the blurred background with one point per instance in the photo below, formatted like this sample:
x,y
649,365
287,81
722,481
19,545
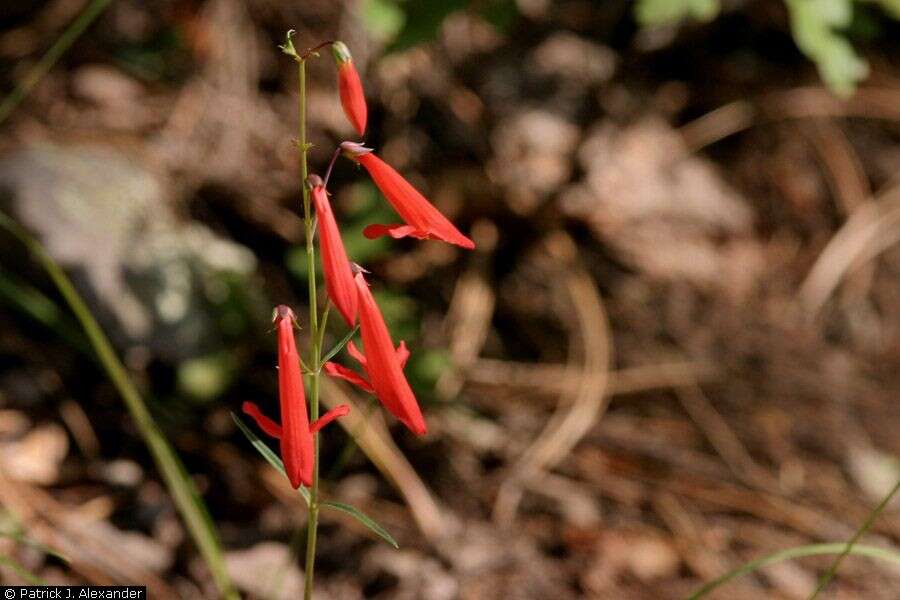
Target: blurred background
x,y
675,349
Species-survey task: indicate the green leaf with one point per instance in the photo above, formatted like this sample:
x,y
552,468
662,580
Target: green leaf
x,y
798,552
667,12
815,25
266,452
337,347
368,522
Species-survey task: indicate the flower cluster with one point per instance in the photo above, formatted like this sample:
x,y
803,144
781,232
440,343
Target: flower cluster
x,y
381,362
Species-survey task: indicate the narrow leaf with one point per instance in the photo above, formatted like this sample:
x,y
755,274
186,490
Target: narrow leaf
x,y
84,19
368,522
266,452
323,323
340,345
21,571
870,520
798,552
19,537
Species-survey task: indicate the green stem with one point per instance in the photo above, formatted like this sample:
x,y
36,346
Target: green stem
x,y
823,583
315,342
59,47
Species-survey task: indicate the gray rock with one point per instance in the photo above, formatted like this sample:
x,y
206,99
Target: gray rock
x,y
151,280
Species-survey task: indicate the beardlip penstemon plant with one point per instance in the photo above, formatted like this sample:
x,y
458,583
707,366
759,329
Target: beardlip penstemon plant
x,y
382,363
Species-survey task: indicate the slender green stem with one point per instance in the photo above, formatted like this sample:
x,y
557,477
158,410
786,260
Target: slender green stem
x,y
179,483
826,578
59,47
315,341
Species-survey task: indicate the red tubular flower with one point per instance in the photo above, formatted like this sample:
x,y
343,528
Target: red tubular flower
x,y
350,87
295,433
423,220
382,363
338,276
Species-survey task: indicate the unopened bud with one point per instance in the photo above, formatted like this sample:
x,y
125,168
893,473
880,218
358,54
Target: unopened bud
x,y
341,53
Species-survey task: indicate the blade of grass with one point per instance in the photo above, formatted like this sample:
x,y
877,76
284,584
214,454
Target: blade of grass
x,y
178,482
53,54
21,571
870,520
266,452
19,537
798,552
33,303
362,518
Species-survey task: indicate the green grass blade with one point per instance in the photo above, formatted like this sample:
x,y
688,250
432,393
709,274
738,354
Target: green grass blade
x,y
368,522
32,302
266,452
339,346
21,571
19,537
870,520
798,552
180,486
59,47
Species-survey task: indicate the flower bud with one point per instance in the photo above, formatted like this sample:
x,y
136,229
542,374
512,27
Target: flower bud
x,y
353,100
341,53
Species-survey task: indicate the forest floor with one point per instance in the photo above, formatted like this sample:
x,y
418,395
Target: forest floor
x,y
676,348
